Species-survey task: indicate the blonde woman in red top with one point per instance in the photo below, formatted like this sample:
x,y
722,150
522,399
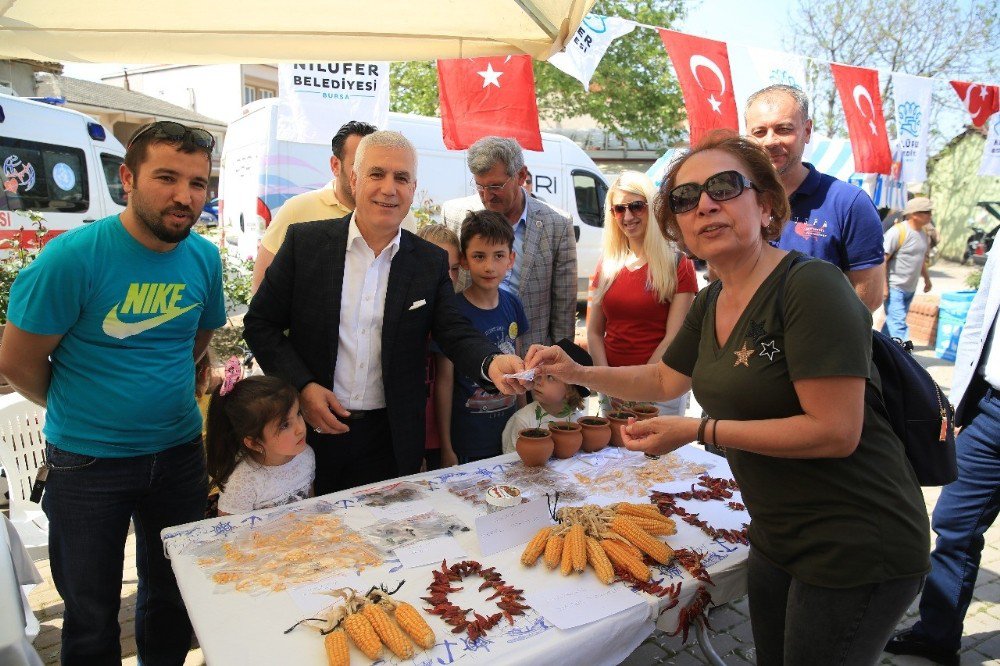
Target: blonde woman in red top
x,y
642,288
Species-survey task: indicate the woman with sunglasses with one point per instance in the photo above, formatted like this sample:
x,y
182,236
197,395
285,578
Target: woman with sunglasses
x,y
779,354
642,288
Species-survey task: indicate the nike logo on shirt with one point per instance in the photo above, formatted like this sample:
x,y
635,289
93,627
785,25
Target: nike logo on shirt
x,y
157,299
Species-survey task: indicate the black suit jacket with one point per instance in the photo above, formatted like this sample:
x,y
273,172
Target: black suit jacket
x,y
301,293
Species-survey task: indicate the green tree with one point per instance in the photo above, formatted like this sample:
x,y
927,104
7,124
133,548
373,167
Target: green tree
x,y
934,38
633,93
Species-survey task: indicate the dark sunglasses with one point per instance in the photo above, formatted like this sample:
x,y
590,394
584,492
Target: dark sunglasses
x,y
175,133
635,206
720,187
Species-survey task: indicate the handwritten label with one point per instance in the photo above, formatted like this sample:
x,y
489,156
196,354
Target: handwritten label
x,y
581,600
430,551
501,530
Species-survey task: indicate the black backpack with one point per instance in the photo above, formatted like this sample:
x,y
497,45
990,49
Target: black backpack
x,y
911,401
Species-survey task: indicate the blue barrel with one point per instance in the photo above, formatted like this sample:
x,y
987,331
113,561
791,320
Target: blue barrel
x,y
951,320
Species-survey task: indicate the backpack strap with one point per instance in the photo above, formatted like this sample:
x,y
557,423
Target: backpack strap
x,y
901,228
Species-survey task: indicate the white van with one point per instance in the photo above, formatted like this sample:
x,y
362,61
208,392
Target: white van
x,y
259,173
58,162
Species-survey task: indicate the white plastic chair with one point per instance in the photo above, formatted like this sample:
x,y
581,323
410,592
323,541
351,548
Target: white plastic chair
x,y
22,452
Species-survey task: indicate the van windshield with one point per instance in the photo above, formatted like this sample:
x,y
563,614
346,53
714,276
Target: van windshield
x,y
112,175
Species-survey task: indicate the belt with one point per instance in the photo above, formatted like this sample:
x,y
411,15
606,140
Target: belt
x,y
358,414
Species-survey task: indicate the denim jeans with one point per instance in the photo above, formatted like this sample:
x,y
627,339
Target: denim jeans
x,y
89,502
966,508
896,307
796,623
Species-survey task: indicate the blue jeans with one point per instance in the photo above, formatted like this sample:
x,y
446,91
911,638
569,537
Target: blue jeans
x,y
797,623
896,307
89,502
966,508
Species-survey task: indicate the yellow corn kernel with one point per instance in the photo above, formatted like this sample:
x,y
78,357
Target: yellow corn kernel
x,y
363,634
577,544
566,562
337,652
599,560
641,539
647,510
553,551
535,547
391,635
623,559
664,527
416,627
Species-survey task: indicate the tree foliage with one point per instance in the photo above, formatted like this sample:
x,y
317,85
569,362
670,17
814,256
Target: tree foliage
x,y
632,94
933,38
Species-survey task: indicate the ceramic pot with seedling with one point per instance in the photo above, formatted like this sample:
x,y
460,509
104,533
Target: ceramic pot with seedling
x,y
566,435
618,420
535,445
643,410
596,432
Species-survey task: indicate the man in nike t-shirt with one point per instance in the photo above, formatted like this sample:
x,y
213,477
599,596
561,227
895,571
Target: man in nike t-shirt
x,y
103,331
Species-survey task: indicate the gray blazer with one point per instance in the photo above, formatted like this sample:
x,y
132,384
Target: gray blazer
x,y
979,321
547,263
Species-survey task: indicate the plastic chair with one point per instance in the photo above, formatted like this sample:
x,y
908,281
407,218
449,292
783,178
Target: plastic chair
x,y
22,452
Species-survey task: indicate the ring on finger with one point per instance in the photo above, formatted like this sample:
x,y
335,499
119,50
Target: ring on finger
x,y
318,429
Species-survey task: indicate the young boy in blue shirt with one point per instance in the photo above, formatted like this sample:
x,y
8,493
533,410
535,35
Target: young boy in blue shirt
x,y
471,423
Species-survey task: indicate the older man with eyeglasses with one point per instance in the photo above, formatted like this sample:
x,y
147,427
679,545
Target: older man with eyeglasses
x,y
544,272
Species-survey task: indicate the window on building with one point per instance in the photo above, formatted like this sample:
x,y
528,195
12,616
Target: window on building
x,y
249,94
265,94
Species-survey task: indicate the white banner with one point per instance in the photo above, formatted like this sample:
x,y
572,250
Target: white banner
x,y
991,151
317,98
754,68
581,56
912,96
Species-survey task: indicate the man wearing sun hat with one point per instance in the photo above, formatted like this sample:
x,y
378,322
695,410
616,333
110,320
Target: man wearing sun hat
x,y
906,247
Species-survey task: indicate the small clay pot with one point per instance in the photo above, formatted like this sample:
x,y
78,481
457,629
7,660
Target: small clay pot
x,y
567,437
535,446
596,432
618,419
644,410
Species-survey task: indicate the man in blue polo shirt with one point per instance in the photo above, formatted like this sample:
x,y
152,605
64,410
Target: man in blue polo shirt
x,y
830,219
103,331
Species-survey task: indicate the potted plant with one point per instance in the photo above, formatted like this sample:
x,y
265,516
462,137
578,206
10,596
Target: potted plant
x,y
15,255
643,410
566,435
535,445
618,420
596,432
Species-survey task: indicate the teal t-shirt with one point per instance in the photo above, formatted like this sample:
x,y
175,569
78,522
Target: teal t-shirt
x,y
123,373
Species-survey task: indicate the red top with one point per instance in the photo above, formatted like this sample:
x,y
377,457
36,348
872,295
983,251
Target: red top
x,y
635,321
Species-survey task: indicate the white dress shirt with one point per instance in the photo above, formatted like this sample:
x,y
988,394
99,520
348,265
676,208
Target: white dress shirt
x,y
357,378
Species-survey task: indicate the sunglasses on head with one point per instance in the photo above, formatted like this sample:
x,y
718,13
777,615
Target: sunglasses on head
x,y
722,186
175,133
635,206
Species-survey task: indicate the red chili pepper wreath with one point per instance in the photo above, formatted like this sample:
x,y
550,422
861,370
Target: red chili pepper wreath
x,y
509,597
715,489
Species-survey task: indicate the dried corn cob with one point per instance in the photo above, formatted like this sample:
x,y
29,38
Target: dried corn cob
x,y
599,560
577,545
392,636
623,559
363,634
655,527
566,563
655,548
553,551
647,510
535,547
337,651
410,620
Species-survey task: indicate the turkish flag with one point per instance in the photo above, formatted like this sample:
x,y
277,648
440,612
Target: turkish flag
x,y
488,97
702,67
862,102
981,100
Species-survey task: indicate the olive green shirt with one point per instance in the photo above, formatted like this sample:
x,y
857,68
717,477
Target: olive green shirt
x,y
831,522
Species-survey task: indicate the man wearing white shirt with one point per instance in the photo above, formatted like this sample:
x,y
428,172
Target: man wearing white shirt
x,y
358,298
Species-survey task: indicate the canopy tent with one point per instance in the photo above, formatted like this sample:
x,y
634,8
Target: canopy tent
x,y
259,31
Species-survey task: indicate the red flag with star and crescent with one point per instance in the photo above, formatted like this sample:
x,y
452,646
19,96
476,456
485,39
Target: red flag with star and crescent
x,y
862,102
702,67
488,97
981,100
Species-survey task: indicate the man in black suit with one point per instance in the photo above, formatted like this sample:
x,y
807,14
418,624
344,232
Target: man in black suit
x,y
358,298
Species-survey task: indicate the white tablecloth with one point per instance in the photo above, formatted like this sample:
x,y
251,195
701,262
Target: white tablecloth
x,y
239,628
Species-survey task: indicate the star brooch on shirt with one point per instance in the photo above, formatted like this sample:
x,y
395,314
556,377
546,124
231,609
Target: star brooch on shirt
x,y
743,355
769,349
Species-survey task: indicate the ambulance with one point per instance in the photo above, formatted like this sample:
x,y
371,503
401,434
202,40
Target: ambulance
x,y
57,162
259,173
